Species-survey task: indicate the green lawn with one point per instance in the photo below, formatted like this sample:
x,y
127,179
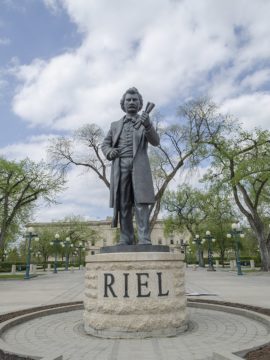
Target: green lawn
x,y
14,277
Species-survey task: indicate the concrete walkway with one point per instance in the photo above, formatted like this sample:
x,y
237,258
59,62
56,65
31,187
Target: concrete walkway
x,y
251,289
210,330
42,290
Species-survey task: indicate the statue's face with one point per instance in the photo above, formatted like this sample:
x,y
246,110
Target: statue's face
x,y
131,103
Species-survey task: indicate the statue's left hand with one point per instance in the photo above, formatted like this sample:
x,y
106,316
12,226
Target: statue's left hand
x,y
145,120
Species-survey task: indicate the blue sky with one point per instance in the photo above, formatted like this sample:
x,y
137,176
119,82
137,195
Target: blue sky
x,y
28,31
65,63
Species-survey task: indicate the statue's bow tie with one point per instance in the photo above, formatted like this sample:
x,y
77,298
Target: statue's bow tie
x,y
128,119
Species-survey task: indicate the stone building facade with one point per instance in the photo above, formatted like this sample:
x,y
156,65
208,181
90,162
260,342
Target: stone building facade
x,y
107,236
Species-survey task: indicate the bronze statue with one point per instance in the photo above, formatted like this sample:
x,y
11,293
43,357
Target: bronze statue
x,y
131,180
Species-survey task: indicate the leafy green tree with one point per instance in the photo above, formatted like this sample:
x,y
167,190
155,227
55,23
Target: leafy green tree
x,y
73,228
13,255
241,161
187,210
221,214
21,184
198,211
77,229
45,235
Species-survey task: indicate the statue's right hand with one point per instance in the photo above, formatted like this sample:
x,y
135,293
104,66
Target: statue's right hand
x,y
114,153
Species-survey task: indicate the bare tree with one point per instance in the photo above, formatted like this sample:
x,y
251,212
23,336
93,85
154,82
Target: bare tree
x,y
83,149
182,144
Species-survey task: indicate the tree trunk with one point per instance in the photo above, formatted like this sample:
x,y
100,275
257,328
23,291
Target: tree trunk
x,y
268,249
258,228
2,237
265,255
222,256
1,240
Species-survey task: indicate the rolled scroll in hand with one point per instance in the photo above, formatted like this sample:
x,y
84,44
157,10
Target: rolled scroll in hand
x,y
149,107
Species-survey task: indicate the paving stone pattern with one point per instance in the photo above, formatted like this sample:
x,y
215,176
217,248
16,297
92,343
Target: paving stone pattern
x,y
209,331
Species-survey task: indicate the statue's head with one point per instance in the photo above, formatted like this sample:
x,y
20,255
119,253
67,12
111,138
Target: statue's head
x,y
131,100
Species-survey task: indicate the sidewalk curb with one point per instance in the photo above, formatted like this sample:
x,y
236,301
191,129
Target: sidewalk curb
x,y
225,356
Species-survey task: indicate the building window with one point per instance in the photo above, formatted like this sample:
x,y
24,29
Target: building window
x,y
92,253
171,241
159,241
92,243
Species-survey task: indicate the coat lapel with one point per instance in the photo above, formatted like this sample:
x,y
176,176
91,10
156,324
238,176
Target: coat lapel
x,y
119,127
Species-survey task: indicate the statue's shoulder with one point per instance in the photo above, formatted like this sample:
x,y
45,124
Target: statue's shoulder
x,y
116,124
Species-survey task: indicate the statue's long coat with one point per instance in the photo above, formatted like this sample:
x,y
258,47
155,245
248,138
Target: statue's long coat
x,y
141,175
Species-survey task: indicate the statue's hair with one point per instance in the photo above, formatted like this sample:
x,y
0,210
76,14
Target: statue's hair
x,y
132,91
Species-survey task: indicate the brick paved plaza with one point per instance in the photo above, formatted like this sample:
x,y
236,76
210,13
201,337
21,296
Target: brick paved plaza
x,y
209,331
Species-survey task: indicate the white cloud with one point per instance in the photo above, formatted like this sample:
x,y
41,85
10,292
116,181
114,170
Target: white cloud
x,y
84,195
170,50
252,110
35,148
256,79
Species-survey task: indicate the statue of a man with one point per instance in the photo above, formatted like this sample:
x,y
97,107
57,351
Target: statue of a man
x,y
131,180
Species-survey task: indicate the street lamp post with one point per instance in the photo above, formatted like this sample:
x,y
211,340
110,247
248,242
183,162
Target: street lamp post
x,y
74,254
4,255
210,240
236,233
29,236
66,244
198,243
54,243
80,247
184,245
189,256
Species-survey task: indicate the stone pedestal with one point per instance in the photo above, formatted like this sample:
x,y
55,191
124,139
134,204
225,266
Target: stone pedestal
x,y
135,295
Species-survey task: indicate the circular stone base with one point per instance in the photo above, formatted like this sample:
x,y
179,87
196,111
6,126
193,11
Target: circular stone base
x,y
135,295
118,334
209,331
